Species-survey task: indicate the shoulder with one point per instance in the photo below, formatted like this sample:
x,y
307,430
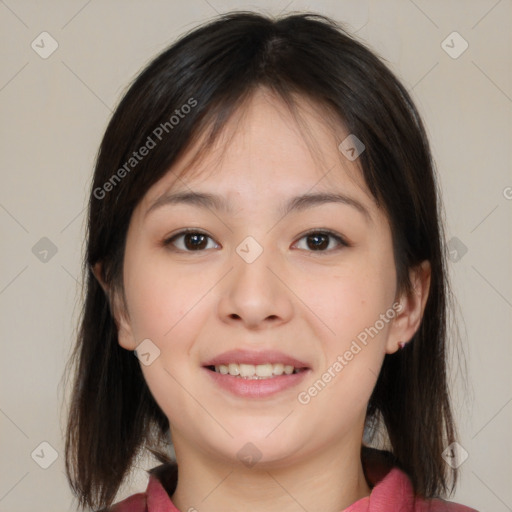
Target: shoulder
x,y
392,489
396,490
438,505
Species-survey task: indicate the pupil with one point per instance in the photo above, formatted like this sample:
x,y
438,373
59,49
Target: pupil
x,y
195,241
318,242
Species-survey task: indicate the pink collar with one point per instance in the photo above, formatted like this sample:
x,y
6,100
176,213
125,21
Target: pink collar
x,y
392,491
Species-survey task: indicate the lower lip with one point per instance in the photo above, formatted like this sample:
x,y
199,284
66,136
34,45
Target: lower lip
x,y
256,388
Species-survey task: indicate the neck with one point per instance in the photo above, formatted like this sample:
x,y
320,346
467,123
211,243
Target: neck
x,y
329,481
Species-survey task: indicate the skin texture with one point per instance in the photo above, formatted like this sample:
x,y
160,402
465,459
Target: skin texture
x,y
309,304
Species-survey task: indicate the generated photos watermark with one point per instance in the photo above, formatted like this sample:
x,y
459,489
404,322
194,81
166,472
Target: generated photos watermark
x,y
342,360
152,141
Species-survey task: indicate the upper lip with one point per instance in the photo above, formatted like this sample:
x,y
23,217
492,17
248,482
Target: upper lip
x,y
255,358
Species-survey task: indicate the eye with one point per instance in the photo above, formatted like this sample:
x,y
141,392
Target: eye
x,y
322,241
190,240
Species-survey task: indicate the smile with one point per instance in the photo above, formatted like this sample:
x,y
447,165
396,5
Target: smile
x,y
255,374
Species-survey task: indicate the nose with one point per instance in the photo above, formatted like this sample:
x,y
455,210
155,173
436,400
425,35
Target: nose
x,y
254,294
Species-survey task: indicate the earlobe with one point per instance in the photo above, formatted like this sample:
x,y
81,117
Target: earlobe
x,y
124,330
409,318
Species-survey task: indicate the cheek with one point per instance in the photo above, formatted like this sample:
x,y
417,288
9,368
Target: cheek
x,y
353,301
166,306
348,299
350,302
352,356
160,297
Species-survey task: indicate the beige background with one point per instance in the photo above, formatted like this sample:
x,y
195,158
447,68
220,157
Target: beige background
x,y
54,112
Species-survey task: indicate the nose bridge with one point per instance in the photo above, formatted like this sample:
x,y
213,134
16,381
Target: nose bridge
x,y
253,279
252,293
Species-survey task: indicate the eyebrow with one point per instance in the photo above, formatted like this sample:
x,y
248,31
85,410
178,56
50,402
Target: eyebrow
x,y
298,203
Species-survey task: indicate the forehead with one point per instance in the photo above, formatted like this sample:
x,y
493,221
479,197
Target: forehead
x,y
267,148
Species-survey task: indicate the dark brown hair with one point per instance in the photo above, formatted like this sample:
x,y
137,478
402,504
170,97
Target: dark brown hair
x,y
214,69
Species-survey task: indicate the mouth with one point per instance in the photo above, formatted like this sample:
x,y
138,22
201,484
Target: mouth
x,y
256,375
255,372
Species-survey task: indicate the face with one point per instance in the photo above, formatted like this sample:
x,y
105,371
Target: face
x,y
286,266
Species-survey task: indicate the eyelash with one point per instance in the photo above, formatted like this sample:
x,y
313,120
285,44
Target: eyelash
x,y
326,232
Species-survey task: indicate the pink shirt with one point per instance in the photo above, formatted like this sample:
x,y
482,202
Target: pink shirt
x,y
392,492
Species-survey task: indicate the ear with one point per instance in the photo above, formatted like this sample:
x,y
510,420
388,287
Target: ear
x,y
410,314
117,309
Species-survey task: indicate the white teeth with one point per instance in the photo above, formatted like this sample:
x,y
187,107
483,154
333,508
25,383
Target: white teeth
x,y
288,370
251,371
247,370
264,370
233,369
278,369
